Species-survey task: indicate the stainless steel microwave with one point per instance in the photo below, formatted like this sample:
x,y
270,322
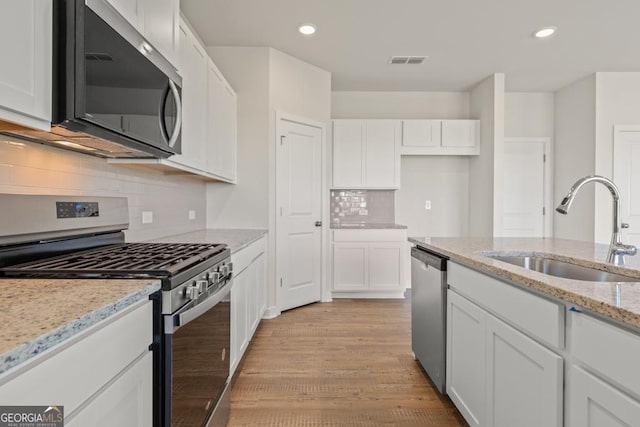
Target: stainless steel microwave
x,y
114,95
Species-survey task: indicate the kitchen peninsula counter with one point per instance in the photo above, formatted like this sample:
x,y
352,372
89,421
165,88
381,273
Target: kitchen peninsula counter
x,y
616,300
38,314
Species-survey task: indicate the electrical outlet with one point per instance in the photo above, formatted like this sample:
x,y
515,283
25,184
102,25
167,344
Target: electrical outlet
x,y
192,214
427,204
147,217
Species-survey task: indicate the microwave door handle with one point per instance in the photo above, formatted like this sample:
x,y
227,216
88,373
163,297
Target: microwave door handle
x,y
181,318
178,125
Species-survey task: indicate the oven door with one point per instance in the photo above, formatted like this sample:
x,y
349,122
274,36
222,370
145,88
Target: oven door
x,y
197,341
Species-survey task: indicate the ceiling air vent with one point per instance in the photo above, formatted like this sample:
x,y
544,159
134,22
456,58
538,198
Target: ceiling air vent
x,y
407,60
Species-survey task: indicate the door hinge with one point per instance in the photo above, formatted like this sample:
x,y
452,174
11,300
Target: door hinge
x,y
544,158
281,282
282,137
280,211
544,210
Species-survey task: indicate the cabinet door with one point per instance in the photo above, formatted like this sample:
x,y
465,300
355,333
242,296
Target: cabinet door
x,y
348,153
594,403
126,402
386,265
194,101
460,133
350,266
131,10
421,133
161,18
524,380
382,154
215,86
252,298
261,267
25,76
228,132
466,358
239,336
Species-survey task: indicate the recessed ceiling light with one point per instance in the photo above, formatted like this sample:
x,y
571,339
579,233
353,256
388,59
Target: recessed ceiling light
x,y
545,32
307,29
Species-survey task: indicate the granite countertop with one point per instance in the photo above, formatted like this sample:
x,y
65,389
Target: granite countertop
x,y
363,226
235,238
38,314
619,301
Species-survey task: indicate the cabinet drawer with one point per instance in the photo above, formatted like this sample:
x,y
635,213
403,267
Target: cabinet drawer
x,y
244,257
534,315
71,373
370,235
612,351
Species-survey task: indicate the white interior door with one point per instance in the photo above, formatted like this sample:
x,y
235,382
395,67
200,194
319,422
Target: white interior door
x,y
626,175
299,200
525,187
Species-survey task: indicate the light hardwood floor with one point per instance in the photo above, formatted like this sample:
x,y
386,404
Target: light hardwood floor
x,y
345,363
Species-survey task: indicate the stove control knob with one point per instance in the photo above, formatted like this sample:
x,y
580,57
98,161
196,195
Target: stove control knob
x,y
224,270
215,278
192,292
202,285
230,265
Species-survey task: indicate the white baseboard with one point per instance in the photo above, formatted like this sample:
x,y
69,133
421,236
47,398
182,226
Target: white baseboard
x,y
271,312
370,295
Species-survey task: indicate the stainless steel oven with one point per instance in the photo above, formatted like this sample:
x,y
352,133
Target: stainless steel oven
x,y
196,348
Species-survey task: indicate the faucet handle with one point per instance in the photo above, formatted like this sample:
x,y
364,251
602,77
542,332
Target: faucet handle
x,y
624,225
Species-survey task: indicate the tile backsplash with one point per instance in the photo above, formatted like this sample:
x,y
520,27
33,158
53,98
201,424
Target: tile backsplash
x,y
31,168
362,206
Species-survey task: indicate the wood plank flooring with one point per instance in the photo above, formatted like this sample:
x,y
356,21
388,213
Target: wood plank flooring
x,y
346,363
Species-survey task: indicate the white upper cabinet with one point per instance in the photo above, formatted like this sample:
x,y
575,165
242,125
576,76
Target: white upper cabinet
x,y
25,75
440,137
156,20
161,19
222,108
366,153
421,133
193,67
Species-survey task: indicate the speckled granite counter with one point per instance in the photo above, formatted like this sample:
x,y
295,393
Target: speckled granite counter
x,y
37,314
354,226
619,301
235,238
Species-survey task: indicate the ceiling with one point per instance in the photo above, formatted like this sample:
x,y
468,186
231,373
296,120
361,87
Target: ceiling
x,y
465,40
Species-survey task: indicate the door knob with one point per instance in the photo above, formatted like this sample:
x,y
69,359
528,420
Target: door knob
x,y
624,225
318,223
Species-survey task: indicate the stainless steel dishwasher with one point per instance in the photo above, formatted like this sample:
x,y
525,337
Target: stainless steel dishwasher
x,y
429,313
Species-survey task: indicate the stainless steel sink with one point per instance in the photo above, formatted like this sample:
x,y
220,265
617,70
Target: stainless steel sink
x,y
566,270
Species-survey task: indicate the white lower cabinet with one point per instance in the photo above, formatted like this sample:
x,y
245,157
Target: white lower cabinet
x,y
524,380
248,297
466,363
369,262
128,401
604,381
496,375
594,403
102,377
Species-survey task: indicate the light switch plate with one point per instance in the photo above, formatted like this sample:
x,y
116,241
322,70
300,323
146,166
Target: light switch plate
x,y
147,217
192,214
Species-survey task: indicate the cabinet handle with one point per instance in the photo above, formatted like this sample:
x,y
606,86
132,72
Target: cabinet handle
x,y
318,223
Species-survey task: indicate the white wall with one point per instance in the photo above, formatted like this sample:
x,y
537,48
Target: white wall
x,y
574,157
441,179
485,170
617,103
246,204
528,114
30,168
399,105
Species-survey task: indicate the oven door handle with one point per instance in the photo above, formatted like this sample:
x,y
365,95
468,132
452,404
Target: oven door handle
x,y
181,318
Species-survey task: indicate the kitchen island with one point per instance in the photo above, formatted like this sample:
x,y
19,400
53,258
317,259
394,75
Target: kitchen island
x,y
526,348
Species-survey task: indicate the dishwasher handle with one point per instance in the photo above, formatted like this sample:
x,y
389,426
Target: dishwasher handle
x,y
428,258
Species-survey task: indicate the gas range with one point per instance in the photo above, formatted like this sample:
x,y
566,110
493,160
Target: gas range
x,y
82,237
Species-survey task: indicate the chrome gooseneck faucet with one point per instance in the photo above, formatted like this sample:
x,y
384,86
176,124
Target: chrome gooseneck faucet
x,y
617,249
